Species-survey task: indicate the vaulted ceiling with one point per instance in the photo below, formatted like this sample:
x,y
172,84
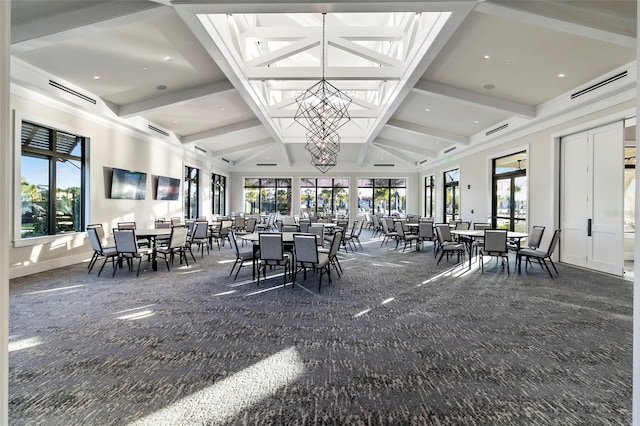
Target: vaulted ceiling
x,y
425,77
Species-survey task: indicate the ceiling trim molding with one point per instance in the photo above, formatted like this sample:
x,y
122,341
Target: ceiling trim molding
x,y
252,155
405,147
243,147
393,152
428,131
474,99
174,98
223,130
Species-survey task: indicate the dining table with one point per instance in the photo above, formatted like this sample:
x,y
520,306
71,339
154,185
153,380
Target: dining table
x,y
467,236
153,235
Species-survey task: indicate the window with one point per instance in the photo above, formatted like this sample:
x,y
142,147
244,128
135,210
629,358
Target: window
x,y
218,189
452,195
191,192
429,196
324,196
509,206
52,181
385,196
269,195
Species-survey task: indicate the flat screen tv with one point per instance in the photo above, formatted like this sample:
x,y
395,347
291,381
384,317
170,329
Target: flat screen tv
x,y
168,188
127,184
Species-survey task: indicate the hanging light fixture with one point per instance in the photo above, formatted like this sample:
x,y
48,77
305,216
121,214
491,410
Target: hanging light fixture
x,y
322,110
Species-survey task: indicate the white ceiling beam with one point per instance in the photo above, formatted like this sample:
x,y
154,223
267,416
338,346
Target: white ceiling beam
x,y
243,147
399,155
405,147
290,113
362,155
286,155
255,153
82,22
219,131
474,99
330,73
292,85
428,131
565,26
363,52
174,98
283,53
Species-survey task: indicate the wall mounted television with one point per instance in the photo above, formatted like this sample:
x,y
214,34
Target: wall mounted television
x,y
127,184
168,188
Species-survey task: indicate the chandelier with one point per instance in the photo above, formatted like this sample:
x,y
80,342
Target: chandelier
x,y
322,110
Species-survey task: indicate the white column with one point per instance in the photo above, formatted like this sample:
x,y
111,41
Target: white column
x,y
636,260
5,211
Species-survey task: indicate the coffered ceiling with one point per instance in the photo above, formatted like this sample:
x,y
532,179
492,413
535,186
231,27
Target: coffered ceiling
x,y
221,77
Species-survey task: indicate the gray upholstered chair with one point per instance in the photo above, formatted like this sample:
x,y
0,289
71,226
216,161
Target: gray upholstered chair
x,y
446,245
272,254
495,244
99,251
242,257
308,256
177,244
541,255
128,249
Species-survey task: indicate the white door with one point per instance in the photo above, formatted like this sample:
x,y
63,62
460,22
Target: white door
x,y
591,207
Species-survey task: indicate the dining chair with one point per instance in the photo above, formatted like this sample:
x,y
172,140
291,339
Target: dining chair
x,y
176,244
242,257
405,237
308,256
272,254
318,230
388,234
495,244
425,233
99,251
289,228
128,249
446,245
334,248
541,255
200,237
479,241
175,221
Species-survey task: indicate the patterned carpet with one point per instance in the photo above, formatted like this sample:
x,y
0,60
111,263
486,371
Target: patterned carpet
x,y
398,340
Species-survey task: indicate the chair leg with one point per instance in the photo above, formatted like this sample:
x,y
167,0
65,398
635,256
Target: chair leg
x,y
102,267
139,263
554,266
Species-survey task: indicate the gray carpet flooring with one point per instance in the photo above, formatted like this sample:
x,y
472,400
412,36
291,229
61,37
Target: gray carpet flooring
x,y
397,340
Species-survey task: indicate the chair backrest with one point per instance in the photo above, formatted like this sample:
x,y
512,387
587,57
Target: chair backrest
x,y
251,224
200,230
376,221
356,233
94,239
240,222
344,224
335,244
535,237
271,247
425,230
390,224
443,233
354,227
318,230
190,225
306,249
175,221
304,225
289,228
554,242
463,226
99,231
385,226
225,227
125,240
178,236
481,226
161,224
495,240
126,225
234,243
400,229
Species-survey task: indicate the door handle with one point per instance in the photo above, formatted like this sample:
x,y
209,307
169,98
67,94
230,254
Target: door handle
x,y
588,227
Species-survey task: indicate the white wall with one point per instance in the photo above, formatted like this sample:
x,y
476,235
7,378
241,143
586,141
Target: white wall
x,y
110,146
236,188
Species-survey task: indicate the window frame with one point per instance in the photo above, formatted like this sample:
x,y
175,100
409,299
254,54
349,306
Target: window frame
x,y
430,196
511,175
52,157
262,186
333,187
455,185
218,200
389,187
188,183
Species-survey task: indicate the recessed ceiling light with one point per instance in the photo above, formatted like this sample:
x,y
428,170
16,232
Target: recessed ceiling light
x,y
175,121
476,121
509,62
486,57
168,58
96,77
561,75
145,67
426,109
489,86
161,87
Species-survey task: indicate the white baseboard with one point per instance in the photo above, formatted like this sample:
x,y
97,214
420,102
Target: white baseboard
x,y
35,268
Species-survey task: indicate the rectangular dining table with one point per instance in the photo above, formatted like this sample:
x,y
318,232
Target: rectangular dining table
x,y
468,236
153,234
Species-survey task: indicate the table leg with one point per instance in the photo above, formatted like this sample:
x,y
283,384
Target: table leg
x,y
154,257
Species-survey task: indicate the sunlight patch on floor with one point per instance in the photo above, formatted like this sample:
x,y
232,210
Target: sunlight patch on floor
x,y
55,289
24,344
137,315
220,402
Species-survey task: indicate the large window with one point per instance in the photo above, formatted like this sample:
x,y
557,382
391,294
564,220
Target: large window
x,y
383,196
452,195
509,209
219,191
191,192
429,196
324,196
52,183
267,195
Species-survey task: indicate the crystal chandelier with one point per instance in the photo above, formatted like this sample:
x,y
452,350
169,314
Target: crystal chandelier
x,y
322,110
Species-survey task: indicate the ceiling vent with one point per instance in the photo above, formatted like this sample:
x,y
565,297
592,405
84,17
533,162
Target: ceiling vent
x,y
266,164
423,161
599,85
497,129
453,148
384,165
200,149
71,92
155,129
225,160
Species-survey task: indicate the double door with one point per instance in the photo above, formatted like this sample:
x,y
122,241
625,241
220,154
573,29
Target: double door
x,y
591,198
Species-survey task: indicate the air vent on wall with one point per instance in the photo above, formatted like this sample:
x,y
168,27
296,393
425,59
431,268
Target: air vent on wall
x,y
599,85
200,149
225,160
71,92
155,129
266,164
423,161
497,129
383,165
453,148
